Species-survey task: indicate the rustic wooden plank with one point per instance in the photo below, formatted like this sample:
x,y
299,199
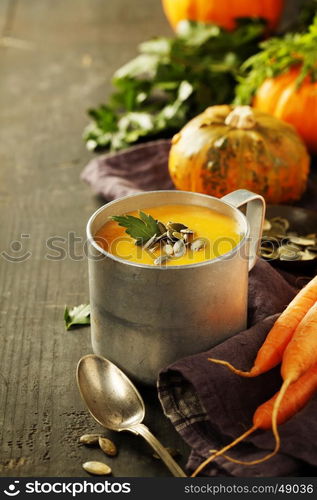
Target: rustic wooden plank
x,y
75,46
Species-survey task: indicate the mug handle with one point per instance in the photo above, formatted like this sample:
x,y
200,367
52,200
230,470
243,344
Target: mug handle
x,y
255,215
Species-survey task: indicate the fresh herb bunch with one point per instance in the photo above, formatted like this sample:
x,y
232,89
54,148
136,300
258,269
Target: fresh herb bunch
x,y
170,81
277,56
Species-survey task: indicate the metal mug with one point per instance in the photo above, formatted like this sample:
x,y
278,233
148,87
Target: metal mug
x,y
145,317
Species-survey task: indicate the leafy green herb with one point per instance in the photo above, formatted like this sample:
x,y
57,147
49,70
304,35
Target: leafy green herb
x,y
170,81
141,229
277,56
78,315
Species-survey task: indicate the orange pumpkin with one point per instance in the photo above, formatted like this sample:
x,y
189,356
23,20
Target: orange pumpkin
x,y
222,12
298,106
226,148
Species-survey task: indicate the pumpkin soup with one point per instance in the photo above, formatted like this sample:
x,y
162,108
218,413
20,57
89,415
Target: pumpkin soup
x,y
169,235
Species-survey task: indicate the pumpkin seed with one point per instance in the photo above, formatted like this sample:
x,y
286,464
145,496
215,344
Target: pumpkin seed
x,y
280,222
177,235
269,240
97,468
280,243
289,252
170,236
161,227
150,242
187,231
154,247
198,244
179,248
89,439
108,446
267,225
168,249
307,255
176,226
269,254
305,242
162,259
162,236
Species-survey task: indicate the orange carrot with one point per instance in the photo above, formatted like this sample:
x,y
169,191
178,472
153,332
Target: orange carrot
x,y
296,397
299,356
271,352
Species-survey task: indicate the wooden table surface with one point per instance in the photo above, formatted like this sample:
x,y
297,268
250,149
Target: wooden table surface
x,y
57,58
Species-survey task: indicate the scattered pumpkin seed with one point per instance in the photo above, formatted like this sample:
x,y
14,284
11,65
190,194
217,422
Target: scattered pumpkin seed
x,y
176,226
177,235
149,243
89,439
97,468
280,243
168,249
280,223
179,248
162,259
161,227
198,244
267,225
108,446
170,235
288,252
307,255
161,237
305,242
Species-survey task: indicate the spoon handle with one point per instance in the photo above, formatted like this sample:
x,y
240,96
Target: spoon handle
x,y
159,448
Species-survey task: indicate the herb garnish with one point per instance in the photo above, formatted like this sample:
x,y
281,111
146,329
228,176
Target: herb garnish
x,y
172,239
141,229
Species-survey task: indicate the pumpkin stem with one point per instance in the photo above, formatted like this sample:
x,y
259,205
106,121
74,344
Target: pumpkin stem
x,y
241,117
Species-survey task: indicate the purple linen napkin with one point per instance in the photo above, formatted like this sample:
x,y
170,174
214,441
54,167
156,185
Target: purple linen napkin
x,y
140,168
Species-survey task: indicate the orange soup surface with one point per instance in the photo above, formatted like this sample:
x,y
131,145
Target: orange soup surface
x,y
219,232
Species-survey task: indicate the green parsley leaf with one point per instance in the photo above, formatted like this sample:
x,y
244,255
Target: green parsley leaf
x,y
141,229
78,315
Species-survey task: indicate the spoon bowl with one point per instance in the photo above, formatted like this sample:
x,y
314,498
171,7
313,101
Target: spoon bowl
x,y
116,404
109,394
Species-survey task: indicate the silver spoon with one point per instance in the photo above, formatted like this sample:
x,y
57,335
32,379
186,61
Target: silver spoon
x,y
115,403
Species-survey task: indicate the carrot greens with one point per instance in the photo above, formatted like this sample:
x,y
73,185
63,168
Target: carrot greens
x,y
277,56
